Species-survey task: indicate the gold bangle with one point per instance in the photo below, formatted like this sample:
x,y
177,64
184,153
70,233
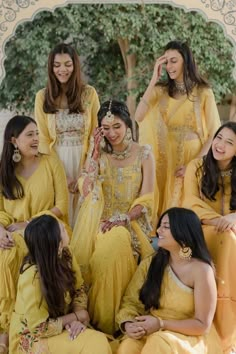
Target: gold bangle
x,y
161,322
77,318
144,101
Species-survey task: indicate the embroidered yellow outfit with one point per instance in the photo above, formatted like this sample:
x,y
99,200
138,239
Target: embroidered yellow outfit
x,y
44,189
177,130
222,247
32,331
68,134
176,303
112,257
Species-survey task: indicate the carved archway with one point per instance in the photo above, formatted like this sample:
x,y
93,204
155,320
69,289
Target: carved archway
x,y
14,12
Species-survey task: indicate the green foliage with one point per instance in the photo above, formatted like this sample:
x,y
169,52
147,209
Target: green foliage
x,y
94,30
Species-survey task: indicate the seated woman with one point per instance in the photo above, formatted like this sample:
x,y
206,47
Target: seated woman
x,y
50,313
171,300
210,190
112,228
30,185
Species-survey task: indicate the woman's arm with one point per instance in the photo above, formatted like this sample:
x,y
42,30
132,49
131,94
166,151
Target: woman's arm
x,y
149,94
41,119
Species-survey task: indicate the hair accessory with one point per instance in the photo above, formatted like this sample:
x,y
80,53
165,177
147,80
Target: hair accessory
x,y
185,253
16,157
128,137
109,117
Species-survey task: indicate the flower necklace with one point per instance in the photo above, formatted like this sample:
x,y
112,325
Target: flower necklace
x,y
122,155
227,173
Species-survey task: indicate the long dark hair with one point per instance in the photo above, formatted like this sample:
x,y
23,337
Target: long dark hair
x,y
211,172
75,85
120,110
11,188
191,74
186,229
42,237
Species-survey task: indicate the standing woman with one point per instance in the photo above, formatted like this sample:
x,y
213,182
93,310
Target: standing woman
x,y
66,114
30,185
179,118
111,232
50,314
210,190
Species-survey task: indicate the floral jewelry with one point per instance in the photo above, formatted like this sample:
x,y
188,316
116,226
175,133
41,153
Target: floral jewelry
x,y
122,155
16,157
185,253
109,117
128,137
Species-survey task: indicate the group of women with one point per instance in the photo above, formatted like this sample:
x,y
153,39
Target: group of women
x,y
79,204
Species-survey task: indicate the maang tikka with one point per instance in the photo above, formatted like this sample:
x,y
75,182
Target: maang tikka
x,y
109,117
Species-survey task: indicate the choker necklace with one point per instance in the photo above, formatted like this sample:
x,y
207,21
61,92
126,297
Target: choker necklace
x,y
180,88
122,155
227,173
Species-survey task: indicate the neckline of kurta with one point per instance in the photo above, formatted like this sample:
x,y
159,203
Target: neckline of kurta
x,y
132,163
177,280
35,171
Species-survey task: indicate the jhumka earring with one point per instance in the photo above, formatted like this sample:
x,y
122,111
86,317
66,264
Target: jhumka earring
x,y
128,137
109,117
185,253
102,143
16,157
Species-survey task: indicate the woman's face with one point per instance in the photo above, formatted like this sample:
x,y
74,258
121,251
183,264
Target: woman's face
x,y
224,147
114,131
174,65
165,238
63,67
28,141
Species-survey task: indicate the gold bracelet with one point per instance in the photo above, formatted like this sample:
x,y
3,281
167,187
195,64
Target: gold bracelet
x,y
161,322
144,101
77,318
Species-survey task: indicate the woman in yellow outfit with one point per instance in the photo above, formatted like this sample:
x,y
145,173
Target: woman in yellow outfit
x,y
30,185
50,313
66,115
179,118
111,233
210,191
170,303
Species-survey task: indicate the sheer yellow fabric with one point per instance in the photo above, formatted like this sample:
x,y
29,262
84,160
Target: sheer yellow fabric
x,y
177,130
109,260
222,247
32,331
176,302
44,189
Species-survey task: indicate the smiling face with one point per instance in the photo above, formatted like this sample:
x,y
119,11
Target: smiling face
x,y
114,131
224,147
165,238
174,65
63,67
28,141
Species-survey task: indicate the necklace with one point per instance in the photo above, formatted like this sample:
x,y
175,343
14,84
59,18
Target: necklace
x,y
122,155
180,88
226,173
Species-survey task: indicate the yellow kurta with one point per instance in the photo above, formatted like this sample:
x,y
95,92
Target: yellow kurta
x,y
44,189
222,247
68,136
32,331
176,303
112,257
177,130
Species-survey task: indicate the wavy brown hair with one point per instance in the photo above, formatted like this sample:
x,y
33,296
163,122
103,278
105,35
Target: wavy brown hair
x,y
42,237
75,84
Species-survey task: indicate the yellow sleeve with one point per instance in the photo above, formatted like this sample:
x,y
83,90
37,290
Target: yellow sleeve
x,y
211,113
35,309
131,306
81,299
193,198
5,218
95,105
41,119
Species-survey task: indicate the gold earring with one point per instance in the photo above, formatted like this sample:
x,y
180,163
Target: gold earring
x,y
102,143
128,137
185,253
16,157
